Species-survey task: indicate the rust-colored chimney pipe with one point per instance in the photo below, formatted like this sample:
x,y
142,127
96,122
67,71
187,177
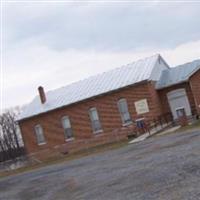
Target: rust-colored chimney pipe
x,y
42,94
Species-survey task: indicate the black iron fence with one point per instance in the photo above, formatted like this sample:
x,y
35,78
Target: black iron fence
x,y
143,126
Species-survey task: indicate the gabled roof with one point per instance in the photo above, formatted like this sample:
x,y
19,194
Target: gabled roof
x,y
145,69
178,74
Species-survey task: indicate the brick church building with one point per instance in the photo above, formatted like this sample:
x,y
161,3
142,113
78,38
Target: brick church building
x,y
103,108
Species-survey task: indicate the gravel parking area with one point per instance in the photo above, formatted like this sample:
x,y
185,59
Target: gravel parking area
x,y
165,168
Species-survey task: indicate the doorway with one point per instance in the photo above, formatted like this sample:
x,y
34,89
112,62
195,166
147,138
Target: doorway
x,y
178,99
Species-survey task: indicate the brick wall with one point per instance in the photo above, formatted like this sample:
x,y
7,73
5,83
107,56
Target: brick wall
x,y
195,86
78,113
164,101
156,101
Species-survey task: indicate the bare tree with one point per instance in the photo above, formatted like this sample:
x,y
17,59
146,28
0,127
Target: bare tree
x,y
10,146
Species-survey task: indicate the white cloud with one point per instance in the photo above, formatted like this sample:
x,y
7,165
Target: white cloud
x,y
183,53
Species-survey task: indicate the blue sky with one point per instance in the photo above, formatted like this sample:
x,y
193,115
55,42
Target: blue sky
x,y
53,44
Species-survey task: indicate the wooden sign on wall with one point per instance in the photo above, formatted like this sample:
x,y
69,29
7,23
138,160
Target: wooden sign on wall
x,y
141,106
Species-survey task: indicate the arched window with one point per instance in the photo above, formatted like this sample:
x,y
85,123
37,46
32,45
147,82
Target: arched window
x,y
123,109
39,135
66,124
94,117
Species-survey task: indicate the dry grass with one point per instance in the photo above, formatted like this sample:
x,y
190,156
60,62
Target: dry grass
x,y
66,158
192,127
195,126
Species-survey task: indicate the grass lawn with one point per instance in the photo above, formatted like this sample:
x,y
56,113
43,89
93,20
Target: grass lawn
x,y
190,127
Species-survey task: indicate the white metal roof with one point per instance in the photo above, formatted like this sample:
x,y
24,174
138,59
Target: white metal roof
x,y
177,74
98,84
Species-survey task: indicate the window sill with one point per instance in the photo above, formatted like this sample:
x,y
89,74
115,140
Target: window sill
x,y
127,124
140,119
42,143
69,139
98,132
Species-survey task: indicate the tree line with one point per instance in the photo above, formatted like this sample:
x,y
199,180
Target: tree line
x,y
11,145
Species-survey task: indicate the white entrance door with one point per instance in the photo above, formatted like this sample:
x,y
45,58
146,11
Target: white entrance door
x,y
178,100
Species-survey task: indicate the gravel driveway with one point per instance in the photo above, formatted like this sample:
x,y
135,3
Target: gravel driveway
x,y
165,168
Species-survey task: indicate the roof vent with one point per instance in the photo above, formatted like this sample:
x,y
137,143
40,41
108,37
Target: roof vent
x,y
42,94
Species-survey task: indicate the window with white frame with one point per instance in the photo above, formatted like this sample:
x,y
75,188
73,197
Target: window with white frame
x,y
123,109
66,124
94,117
39,134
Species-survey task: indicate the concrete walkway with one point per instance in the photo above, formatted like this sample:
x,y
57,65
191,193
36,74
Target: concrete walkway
x,y
153,132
